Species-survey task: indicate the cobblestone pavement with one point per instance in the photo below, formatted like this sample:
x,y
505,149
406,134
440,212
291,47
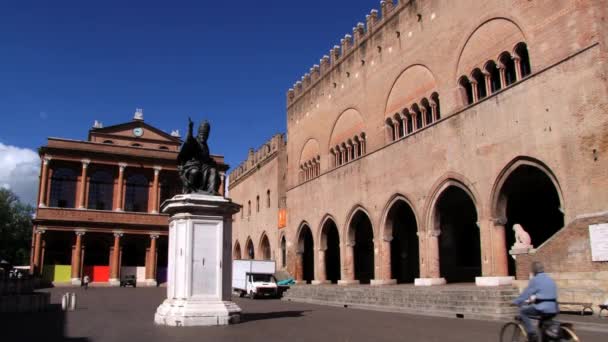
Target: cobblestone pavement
x,y
126,314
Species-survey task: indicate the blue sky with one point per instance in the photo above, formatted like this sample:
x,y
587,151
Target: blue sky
x,y
65,64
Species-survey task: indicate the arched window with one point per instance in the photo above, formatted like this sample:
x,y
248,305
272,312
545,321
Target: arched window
x,y
417,116
408,121
248,208
480,79
524,59
136,145
428,112
390,130
257,203
283,252
163,148
494,72
399,126
509,65
101,190
108,142
63,188
268,198
467,89
136,194
435,99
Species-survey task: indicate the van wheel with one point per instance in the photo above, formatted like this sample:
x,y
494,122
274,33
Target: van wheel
x,y
241,294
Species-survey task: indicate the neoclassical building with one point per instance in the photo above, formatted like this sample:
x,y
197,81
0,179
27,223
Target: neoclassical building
x,y
99,200
419,141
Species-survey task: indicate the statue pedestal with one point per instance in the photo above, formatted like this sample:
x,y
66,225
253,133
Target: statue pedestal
x,y
200,265
515,250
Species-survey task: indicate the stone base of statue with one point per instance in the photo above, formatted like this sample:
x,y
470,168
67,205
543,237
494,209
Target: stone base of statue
x,y
199,280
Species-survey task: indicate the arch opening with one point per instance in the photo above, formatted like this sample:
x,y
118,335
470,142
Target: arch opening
x,y
361,228
529,198
401,225
283,252
306,251
265,253
459,241
249,250
330,240
237,251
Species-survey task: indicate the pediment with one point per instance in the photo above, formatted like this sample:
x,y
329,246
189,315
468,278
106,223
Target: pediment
x,y
134,130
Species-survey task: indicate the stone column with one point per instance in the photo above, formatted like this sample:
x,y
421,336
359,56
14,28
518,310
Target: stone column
x,y
320,269
155,190
488,82
44,180
37,261
385,263
77,258
299,267
121,172
222,182
434,111
83,183
474,87
151,262
494,239
518,72
115,261
503,76
424,121
432,261
348,265
363,147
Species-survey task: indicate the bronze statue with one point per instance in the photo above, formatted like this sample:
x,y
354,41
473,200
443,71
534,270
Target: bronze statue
x,y
196,168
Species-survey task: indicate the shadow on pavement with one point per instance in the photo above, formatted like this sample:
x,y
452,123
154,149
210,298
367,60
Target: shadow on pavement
x,y
257,316
36,326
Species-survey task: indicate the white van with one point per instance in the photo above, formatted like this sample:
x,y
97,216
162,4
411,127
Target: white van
x,y
254,278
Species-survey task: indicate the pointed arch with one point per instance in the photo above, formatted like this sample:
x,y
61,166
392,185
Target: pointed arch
x,y
264,250
236,252
249,249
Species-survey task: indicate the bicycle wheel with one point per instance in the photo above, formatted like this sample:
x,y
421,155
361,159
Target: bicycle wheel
x,y
569,335
513,332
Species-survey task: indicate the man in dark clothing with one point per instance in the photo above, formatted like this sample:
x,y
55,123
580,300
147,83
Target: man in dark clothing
x,y
540,297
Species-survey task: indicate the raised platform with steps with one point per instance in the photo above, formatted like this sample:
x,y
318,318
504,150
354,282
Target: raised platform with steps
x,y
462,301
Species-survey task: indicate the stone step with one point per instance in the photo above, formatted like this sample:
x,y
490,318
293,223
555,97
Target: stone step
x,y
452,301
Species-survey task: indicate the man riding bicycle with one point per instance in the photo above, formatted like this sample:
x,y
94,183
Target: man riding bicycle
x,y
538,299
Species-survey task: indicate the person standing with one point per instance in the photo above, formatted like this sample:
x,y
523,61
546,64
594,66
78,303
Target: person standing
x,y
85,281
539,298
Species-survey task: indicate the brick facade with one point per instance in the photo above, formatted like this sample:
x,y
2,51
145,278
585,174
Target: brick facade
x,y
448,111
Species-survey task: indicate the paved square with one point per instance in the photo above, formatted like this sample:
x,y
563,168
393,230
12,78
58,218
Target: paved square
x,y
126,314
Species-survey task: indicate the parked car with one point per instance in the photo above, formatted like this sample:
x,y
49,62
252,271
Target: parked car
x,y
129,280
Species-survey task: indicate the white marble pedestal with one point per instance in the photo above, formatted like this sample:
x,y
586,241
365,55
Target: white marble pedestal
x,y
200,263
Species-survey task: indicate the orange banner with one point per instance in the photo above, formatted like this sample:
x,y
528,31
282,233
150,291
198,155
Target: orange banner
x,y
282,218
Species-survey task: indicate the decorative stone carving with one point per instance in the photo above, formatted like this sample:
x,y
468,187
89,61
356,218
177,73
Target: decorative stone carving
x,y
522,238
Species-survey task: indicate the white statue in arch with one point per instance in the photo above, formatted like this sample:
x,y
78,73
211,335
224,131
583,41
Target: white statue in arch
x,y
522,238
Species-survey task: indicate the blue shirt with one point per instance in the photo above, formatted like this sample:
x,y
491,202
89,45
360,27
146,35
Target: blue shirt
x,y
543,287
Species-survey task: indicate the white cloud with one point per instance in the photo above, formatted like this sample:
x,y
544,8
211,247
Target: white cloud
x,y
19,168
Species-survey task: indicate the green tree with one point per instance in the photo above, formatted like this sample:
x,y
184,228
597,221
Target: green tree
x,y
15,228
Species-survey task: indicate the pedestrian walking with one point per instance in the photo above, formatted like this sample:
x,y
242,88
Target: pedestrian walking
x,y
85,281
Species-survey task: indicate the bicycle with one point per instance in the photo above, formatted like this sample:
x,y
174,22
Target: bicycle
x,y
514,331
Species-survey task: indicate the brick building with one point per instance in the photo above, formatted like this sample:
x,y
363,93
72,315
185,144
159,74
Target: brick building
x,y
419,141
258,184
99,200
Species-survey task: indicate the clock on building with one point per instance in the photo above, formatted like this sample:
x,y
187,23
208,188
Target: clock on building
x,y
138,132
